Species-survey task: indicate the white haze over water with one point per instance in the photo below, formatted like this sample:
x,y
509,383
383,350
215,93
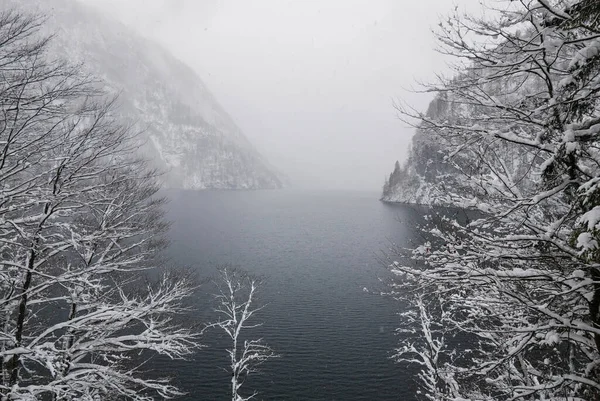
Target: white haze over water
x,y
311,83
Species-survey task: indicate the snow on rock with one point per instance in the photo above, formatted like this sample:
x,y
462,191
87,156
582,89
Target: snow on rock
x,y
436,171
425,177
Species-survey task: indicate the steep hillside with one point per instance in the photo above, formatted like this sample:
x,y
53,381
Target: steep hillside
x,y
435,175
419,179
187,133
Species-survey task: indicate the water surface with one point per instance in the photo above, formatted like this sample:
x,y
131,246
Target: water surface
x,y
319,253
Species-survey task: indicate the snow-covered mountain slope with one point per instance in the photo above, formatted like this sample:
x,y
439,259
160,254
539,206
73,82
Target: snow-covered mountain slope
x,y
187,133
422,178
435,175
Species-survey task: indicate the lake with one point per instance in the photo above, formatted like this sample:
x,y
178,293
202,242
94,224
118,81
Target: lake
x,y
319,254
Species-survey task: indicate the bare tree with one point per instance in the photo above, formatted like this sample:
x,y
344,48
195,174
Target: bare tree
x,y
519,282
424,347
236,305
80,219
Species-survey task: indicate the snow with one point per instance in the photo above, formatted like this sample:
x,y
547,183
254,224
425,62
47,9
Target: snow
x,y
586,241
569,136
552,43
570,147
591,218
592,49
566,81
500,288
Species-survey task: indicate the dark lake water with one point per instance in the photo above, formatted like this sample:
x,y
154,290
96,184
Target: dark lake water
x,y
318,252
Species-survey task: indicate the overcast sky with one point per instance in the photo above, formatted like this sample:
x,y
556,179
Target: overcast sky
x,y
310,82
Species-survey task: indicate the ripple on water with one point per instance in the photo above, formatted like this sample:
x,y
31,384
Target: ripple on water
x,y
317,252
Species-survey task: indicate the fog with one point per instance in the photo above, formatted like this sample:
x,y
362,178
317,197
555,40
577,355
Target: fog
x,y
310,83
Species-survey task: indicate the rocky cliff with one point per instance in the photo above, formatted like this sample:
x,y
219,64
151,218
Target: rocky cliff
x,y
186,133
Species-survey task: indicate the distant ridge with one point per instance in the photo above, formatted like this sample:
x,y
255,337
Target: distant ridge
x,y
187,133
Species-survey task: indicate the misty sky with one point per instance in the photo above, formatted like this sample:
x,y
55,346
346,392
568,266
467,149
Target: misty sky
x,y
311,83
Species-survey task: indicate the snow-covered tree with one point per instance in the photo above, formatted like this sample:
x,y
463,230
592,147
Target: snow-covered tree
x,y
79,221
236,306
393,180
514,291
419,179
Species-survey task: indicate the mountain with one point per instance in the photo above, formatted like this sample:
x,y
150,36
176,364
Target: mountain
x,y
421,179
186,132
435,175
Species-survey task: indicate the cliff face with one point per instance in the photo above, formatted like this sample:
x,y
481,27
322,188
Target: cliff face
x,y
422,179
186,132
435,175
